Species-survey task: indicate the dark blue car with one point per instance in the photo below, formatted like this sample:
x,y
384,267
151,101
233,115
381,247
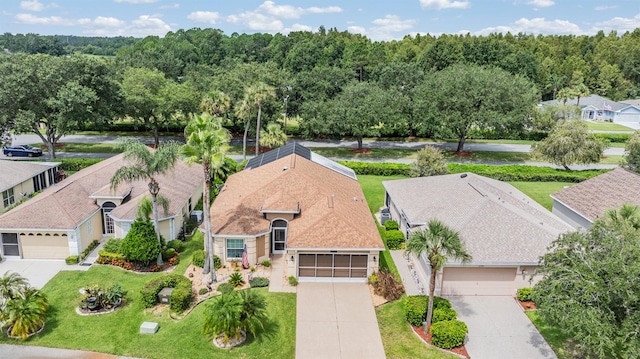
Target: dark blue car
x,y
22,151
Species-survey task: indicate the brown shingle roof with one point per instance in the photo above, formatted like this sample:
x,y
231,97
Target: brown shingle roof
x,y
591,198
497,223
68,203
333,211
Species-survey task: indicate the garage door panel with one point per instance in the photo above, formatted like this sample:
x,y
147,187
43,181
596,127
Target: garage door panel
x,y
44,247
329,266
478,281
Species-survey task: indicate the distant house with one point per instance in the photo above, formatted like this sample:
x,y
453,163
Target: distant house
x,y
505,231
66,217
594,107
583,203
19,180
294,203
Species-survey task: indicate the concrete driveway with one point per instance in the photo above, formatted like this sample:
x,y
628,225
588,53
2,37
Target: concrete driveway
x,y
37,272
336,320
498,328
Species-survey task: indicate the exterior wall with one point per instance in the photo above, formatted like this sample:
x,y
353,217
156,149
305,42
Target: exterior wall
x,y
568,215
220,249
24,187
285,216
395,214
44,245
263,242
101,201
525,277
89,231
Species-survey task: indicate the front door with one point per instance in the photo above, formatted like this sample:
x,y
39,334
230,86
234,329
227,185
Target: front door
x,y
278,236
10,245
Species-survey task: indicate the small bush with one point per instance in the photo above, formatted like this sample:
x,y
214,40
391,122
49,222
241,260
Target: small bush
x,y
430,161
112,245
217,263
524,294
71,260
236,280
390,225
77,164
176,244
103,254
258,282
448,334
388,286
88,250
266,263
394,239
373,279
168,253
180,297
415,308
293,281
198,258
225,288
442,314
203,291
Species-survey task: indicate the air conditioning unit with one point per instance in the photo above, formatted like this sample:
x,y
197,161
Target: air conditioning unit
x,y
197,216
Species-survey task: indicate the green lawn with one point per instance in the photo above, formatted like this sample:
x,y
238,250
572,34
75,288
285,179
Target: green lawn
x,y
556,338
85,147
607,126
540,191
397,337
117,333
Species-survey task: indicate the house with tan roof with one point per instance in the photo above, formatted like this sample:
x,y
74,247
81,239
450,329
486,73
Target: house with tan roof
x,y
66,217
297,204
21,179
504,230
583,203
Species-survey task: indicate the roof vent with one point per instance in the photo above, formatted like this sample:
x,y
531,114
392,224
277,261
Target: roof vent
x,y
463,175
285,168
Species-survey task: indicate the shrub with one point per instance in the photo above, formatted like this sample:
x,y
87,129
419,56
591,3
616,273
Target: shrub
x,y
259,282
168,253
448,334
266,263
293,281
71,260
614,137
180,297
176,244
225,288
442,314
112,245
77,164
378,169
175,260
108,256
390,225
415,308
373,279
394,239
203,291
217,263
198,258
236,280
388,286
430,162
89,248
524,294
141,243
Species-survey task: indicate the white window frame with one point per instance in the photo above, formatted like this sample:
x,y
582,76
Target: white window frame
x,y
8,197
240,250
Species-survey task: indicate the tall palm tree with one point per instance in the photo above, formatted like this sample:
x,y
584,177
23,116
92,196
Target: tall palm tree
x,y
243,111
145,164
439,243
207,143
215,103
257,95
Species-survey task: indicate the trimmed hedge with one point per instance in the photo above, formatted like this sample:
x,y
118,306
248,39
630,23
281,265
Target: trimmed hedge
x,y
71,260
180,297
176,244
110,255
503,172
77,164
448,334
394,239
524,294
390,225
614,137
442,314
259,282
415,308
88,250
198,258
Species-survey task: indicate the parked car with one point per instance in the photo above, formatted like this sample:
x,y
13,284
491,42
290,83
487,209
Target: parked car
x,y
22,150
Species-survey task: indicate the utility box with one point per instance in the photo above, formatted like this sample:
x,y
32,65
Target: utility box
x,y
197,216
385,215
148,328
164,295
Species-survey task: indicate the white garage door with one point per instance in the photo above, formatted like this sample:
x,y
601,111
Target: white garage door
x,y
479,281
332,267
44,247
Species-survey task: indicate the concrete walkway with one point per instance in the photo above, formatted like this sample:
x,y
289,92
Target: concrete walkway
x,y
30,352
336,320
37,271
413,278
498,328
278,279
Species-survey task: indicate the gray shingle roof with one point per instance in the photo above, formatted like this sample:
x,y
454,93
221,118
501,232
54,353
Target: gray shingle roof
x,y
498,223
16,172
592,100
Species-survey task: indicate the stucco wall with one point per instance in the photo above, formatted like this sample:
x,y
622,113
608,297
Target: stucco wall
x,y
89,231
24,187
220,250
568,215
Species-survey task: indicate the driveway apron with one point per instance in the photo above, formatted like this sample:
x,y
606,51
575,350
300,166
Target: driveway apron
x,y
38,271
336,320
498,328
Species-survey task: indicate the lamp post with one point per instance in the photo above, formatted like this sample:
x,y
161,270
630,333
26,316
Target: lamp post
x,y
286,100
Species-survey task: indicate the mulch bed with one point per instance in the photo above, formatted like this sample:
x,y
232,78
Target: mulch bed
x,y
462,153
526,305
364,151
461,350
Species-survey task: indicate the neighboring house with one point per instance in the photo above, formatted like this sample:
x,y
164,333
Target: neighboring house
x,y
65,218
19,180
293,202
581,204
594,107
505,231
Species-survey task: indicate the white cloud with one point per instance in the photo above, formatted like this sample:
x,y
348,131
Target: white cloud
x,y
137,1
604,7
444,4
536,26
541,3
390,27
620,24
102,21
297,27
34,5
204,16
357,30
291,12
50,20
170,6
257,21
103,26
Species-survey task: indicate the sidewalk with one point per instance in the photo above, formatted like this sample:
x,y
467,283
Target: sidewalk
x,y
412,277
31,352
278,281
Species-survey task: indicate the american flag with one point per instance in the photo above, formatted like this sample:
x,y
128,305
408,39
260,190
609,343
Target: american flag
x,y
607,106
245,257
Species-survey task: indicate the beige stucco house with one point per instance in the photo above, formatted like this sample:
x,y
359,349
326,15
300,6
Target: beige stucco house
x,y
20,179
66,217
297,204
504,230
583,203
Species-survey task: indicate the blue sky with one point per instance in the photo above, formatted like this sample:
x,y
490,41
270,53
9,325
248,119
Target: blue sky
x,y
378,19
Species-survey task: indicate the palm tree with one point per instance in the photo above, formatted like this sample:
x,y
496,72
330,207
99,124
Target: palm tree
x,y
223,316
26,314
145,164
439,243
215,103
12,285
627,215
257,95
254,311
242,111
207,143
273,137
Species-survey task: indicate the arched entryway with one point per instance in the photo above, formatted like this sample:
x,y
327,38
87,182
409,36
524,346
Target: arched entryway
x,y
278,236
107,222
